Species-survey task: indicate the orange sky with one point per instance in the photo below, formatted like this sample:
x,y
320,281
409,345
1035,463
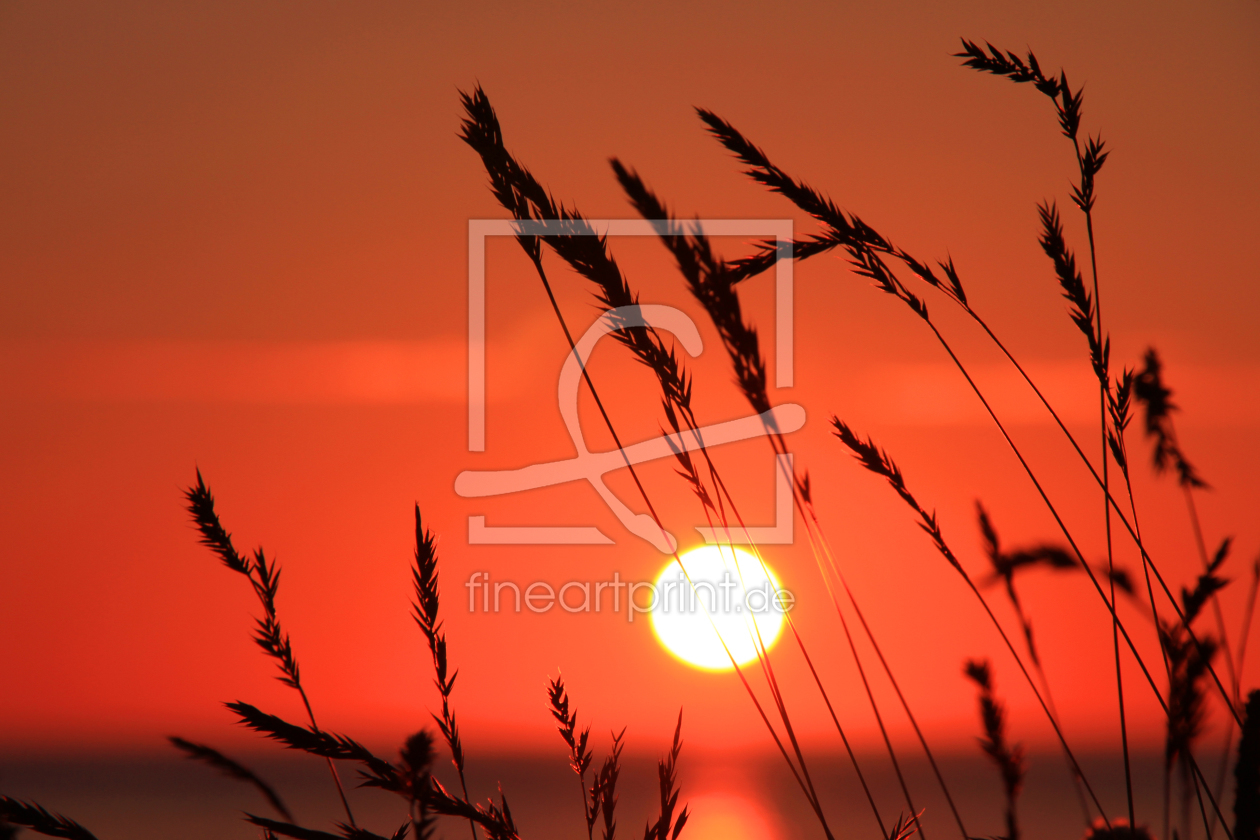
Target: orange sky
x,y
234,237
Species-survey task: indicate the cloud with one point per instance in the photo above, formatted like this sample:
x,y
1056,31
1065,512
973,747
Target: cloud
x,y
244,372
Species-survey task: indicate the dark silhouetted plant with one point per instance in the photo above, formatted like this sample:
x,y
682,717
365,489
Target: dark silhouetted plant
x,y
231,768
1009,758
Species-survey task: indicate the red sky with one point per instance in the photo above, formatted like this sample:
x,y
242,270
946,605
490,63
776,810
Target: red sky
x,y
234,238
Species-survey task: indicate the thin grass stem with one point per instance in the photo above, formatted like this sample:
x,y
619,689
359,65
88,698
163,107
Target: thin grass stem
x,y
1104,388
865,244
524,197
711,283
264,579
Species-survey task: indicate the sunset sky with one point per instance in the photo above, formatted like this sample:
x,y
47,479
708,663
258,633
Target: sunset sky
x,y
234,237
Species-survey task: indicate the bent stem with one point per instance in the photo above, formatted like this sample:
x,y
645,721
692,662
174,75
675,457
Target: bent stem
x,y
264,579
522,195
425,614
710,282
865,245
877,461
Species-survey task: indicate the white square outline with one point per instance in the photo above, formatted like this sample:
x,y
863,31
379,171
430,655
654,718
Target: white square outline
x,y
478,229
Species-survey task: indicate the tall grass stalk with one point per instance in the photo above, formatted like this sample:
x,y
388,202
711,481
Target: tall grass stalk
x,y
1008,757
842,231
521,194
711,282
1004,566
1156,399
877,461
425,613
1089,161
411,779
865,245
264,579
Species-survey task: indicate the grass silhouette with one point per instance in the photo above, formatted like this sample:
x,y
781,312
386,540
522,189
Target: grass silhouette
x,y
1186,683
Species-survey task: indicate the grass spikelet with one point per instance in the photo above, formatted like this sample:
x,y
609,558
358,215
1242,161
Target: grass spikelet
x,y
604,786
878,461
1073,286
864,244
843,229
570,237
380,773
1186,693
1007,564
568,234
1004,566
1009,758
264,578
577,740
1120,409
39,819
667,826
416,762
1091,163
1006,63
1208,583
1156,399
425,612
711,282
495,820
231,768
1188,662
213,535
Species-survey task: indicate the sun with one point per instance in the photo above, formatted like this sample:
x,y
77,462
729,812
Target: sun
x,y
729,592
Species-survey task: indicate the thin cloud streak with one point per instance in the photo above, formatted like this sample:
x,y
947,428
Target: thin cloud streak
x,y
240,372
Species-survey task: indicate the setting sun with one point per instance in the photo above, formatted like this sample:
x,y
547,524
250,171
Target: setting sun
x,y
722,589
